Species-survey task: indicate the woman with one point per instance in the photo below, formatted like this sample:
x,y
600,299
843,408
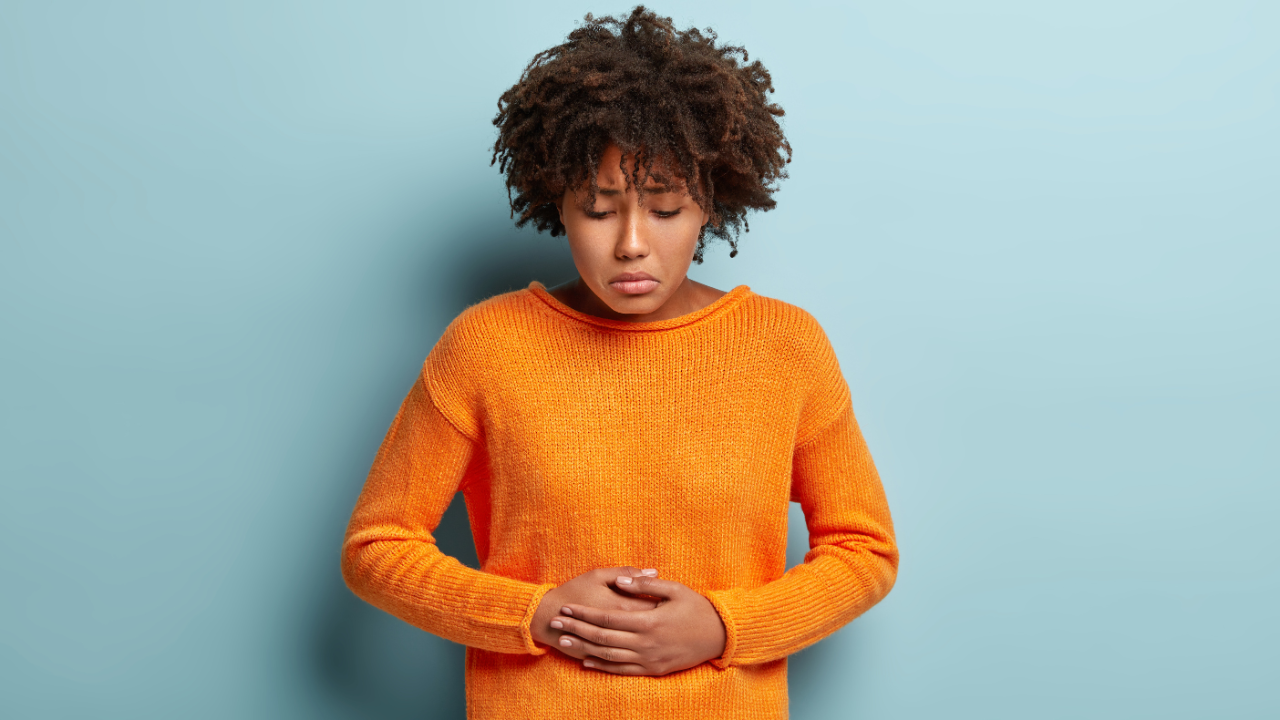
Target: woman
x,y
627,443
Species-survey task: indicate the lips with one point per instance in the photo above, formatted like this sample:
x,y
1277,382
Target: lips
x,y
636,283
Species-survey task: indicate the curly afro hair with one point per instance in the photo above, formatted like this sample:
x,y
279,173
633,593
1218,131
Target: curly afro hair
x,y
656,92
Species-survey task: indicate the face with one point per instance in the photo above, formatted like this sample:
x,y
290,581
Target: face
x,y
632,259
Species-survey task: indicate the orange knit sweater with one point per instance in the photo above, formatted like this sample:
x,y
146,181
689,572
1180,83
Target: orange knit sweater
x,y
580,443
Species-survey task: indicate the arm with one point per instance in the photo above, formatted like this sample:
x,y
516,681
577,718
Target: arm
x,y
851,565
390,558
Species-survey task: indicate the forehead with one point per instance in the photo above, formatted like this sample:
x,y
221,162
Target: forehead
x,y
610,175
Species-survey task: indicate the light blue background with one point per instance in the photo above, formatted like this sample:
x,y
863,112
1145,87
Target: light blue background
x,y
1042,237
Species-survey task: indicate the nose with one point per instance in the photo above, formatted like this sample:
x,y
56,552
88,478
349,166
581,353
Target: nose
x,y
632,243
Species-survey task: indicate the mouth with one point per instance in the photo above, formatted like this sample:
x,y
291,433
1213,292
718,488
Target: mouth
x,y
636,283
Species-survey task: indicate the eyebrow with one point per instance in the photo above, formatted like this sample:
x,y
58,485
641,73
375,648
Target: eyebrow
x,y
654,190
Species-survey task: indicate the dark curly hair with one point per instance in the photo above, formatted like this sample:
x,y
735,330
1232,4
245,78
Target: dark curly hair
x,y
656,92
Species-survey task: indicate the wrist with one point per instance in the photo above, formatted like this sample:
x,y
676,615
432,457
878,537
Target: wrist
x,y
548,608
528,625
719,600
717,634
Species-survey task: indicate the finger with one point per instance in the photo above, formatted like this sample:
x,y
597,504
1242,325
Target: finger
x,y
632,571
615,668
632,603
596,634
667,589
573,650
576,646
631,622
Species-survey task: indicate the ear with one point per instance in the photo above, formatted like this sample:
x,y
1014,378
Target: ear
x,y
560,207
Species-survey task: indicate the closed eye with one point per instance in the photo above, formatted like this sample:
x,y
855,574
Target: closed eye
x,y
603,214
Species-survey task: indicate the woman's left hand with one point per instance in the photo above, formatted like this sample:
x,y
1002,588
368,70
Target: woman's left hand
x,y
684,630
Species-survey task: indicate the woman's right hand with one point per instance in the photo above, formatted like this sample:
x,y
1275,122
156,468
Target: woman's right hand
x,y
594,588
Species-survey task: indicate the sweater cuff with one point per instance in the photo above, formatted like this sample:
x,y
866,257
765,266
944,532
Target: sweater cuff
x,y
720,600
526,623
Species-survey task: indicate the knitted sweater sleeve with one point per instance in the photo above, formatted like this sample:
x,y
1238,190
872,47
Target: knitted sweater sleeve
x,y
390,558
853,558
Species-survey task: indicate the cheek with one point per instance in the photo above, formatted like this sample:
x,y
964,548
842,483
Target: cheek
x,y
679,239
590,251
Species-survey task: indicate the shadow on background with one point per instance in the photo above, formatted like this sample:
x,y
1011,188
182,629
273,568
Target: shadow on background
x,y
372,663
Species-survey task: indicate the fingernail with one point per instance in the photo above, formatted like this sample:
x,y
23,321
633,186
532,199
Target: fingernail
x,y
624,580
566,642
557,624
649,571
588,663
566,611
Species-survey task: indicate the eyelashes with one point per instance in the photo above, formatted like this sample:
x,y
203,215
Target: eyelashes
x,y
659,213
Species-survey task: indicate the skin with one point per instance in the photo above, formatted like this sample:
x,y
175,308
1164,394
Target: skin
x,y
624,620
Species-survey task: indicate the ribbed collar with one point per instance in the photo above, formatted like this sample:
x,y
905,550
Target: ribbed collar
x,y
721,304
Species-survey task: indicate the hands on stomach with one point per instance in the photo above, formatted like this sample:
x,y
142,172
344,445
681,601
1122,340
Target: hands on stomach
x,y
628,622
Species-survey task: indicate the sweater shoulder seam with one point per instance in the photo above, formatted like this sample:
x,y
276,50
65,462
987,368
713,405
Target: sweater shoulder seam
x,y
426,384
826,423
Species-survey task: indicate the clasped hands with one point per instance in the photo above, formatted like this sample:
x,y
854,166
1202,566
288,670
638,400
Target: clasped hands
x,y
626,621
